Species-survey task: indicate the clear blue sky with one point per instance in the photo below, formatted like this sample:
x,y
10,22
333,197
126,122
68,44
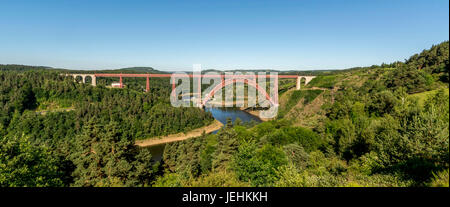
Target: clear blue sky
x,y
228,34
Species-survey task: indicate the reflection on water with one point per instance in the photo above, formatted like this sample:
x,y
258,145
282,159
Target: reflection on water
x,y
221,114
157,151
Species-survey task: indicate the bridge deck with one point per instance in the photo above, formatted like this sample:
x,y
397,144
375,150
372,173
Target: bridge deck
x,y
183,75
177,75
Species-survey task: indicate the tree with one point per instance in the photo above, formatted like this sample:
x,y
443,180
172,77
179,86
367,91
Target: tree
x,y
23,164
418,143
227,145
297,156
382,103
104,157
408,77
258,166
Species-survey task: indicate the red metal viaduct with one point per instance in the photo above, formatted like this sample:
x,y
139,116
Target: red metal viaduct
x,y
247,79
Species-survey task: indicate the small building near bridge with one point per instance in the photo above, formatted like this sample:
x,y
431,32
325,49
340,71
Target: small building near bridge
x,y
117,85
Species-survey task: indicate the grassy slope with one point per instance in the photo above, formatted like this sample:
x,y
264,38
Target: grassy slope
x,y
294,97
304,107
424,95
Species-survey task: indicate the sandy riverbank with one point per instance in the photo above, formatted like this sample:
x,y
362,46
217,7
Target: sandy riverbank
x,y
256,113
216,125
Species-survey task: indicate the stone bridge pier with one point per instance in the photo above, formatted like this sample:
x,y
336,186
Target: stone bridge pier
x,y
83,78
307,80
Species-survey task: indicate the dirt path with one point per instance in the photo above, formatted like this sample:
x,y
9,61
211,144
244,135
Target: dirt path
x,y
179,136
55,110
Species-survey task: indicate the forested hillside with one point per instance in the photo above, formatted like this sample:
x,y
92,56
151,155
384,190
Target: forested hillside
x,y
384,125
52,130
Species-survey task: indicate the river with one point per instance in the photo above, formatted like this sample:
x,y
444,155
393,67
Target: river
x,y
221,114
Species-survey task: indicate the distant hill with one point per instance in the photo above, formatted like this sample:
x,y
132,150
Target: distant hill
x,y
17,67
130,70
237,70
22,67
139,69
280,72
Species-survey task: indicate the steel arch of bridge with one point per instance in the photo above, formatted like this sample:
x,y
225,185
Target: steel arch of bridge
x,y
250,82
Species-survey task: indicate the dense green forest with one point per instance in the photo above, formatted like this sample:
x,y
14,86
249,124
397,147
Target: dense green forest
x,y
383,125
53,129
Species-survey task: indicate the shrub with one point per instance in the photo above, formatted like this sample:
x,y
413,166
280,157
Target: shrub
x,y
297,156
258,166
440,179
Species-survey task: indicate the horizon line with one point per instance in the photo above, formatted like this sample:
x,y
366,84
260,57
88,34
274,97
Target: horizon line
x,y
188,70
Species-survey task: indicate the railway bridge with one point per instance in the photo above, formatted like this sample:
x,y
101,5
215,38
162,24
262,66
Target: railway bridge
x,y
226,79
